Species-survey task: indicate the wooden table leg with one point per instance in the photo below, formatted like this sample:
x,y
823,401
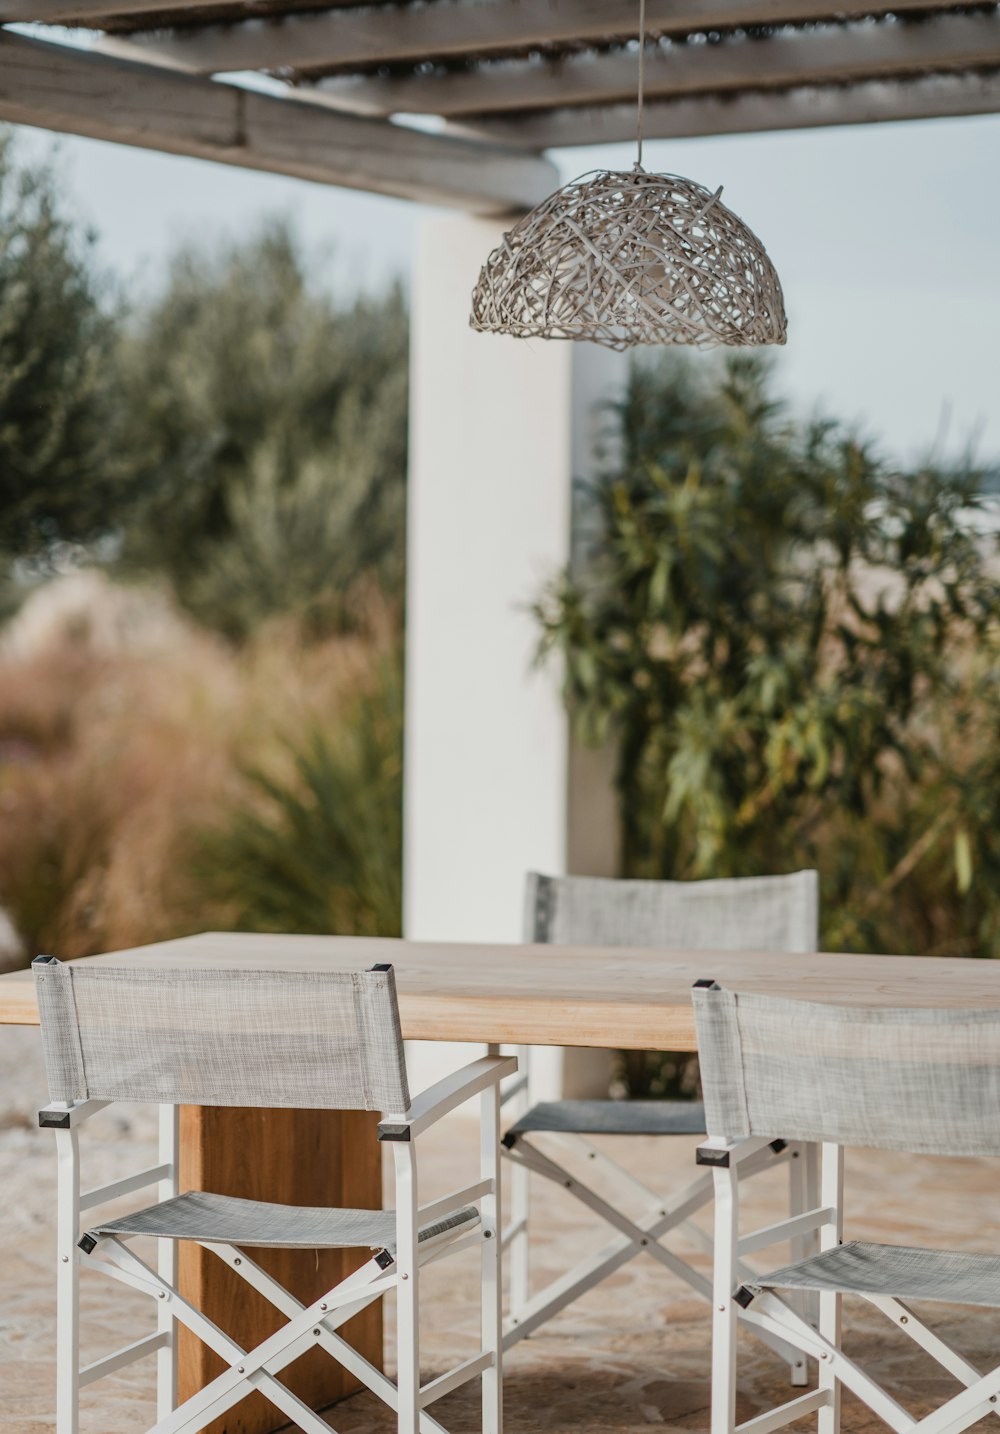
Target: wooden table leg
x,y
295,1157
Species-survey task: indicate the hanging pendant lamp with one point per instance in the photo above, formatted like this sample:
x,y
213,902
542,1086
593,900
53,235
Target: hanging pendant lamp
x,y
622,257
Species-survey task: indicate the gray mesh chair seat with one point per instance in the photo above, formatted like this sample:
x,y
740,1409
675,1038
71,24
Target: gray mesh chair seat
x,y
901,1271
614,1117
226,1220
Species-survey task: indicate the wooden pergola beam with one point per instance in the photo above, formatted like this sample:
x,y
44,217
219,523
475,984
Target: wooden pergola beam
x,y
822,55
801,107
80,12
84,92
387,34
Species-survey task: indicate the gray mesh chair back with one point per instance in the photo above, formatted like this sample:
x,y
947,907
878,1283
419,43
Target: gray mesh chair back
x,y
763,913
925,1081
329,1040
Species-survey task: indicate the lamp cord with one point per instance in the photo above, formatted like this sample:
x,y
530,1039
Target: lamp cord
x,y
642,77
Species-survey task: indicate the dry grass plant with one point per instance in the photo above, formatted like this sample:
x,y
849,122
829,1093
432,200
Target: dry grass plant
x,y
113,764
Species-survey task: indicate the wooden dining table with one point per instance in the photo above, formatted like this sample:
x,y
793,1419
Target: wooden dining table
x,y
618,999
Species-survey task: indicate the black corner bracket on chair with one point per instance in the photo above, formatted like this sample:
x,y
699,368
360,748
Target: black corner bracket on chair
x,y
388,1131
705,1155
54,1119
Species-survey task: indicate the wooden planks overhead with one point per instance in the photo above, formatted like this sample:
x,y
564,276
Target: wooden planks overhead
x,y
454,102
85,92
825,53
361,39
763,111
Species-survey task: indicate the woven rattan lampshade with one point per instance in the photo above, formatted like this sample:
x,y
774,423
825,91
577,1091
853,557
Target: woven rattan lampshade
x,y
625,257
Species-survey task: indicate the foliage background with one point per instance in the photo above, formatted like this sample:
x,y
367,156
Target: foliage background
x,y
266,432
201,520
794,646
58,465
791,643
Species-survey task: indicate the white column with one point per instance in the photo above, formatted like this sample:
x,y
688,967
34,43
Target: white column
x,y
498,430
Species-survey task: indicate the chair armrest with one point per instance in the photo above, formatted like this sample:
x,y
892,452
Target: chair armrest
x,y
430,1105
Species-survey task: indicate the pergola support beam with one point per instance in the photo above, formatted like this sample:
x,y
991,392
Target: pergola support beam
x,y
810,107
84,92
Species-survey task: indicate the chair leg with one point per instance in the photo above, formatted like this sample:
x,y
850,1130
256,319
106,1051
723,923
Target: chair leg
x,y
799,1193
518,1252
491,1285
68,1283
724,1321
517,1244
831,1194
407,1292
811,1155
166,1265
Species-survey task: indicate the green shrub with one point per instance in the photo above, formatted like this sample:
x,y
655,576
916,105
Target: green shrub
x,y
794,646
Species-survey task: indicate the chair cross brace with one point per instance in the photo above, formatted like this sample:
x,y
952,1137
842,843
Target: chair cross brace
x,y
981,1395
256,1368
308,1326
334,1345
636,1237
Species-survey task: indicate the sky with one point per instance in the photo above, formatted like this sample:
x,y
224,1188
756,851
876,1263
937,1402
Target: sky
x,y
886,239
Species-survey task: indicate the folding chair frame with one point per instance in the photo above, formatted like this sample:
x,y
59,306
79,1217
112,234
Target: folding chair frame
x,y
71,1203
310,1325
767,1314
642,1236
797,930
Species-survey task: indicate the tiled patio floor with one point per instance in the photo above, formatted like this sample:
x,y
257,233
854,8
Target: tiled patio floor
x,y
632,1354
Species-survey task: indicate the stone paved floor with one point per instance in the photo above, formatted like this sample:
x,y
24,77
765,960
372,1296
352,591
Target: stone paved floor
x,y
633,1353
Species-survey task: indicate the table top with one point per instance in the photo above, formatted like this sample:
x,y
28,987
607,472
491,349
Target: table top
x,y
622,999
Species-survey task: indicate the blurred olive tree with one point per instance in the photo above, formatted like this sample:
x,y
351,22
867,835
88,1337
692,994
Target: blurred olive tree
x,y
60,470
794,646
266,426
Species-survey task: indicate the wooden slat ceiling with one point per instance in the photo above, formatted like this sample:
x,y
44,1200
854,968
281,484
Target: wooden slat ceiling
x,y
523,76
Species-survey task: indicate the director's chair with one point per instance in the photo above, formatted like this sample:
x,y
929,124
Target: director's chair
x,y
769,913
266,1037
922,1081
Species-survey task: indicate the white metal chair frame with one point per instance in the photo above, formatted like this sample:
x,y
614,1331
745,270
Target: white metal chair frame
x,y
310,1325
661,1216
755,1301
